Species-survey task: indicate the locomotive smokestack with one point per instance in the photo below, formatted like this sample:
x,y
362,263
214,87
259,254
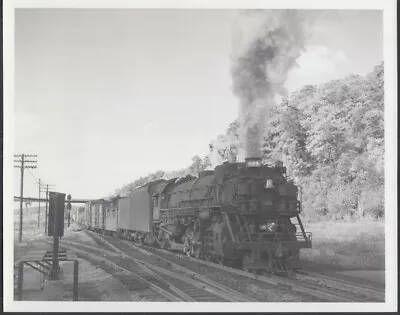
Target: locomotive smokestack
x,y
266,44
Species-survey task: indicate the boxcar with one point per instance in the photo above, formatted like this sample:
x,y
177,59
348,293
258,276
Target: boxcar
x,y
135,212
94,210
88,215
110,210
80,215
96,216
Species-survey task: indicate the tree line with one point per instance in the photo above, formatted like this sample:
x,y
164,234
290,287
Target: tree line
x,y
330,138
198,165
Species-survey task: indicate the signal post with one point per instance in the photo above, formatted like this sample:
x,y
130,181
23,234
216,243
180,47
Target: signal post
x,y
47,190
56,228
53,289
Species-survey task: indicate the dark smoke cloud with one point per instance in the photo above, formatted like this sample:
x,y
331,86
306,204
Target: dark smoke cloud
x,y
265,47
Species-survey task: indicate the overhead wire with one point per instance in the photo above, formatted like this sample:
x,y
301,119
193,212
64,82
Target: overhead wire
x,y
34,177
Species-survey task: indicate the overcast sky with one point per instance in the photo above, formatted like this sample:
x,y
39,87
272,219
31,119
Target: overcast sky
x,y
106,96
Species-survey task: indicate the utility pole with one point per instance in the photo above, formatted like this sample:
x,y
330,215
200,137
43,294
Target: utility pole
x,y
48,187
38,216
23,166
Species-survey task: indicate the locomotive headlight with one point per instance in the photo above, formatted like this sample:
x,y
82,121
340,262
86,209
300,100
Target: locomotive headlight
x,y
271,226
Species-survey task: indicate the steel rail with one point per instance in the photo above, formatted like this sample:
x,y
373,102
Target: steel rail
x,y
315,291
105,251
368,291
97,258
294,285
202,282
239,296
274,280
172,287
196,284
177,291
211,286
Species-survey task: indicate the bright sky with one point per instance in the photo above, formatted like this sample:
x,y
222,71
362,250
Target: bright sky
x,y
106,96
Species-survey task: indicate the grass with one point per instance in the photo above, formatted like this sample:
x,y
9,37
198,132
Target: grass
x,y
30,229
350,245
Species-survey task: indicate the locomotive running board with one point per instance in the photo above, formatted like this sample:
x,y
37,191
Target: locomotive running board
x,y
180,211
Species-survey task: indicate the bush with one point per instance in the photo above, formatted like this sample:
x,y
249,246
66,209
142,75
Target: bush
x,y
342,200
372,202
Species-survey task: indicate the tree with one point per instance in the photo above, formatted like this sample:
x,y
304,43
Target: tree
x,y
197,166
331,140
226,147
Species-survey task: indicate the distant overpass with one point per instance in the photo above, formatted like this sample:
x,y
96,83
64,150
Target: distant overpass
x,y
33,199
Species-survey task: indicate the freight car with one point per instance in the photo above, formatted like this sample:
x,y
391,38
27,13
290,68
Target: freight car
x,y
102,216
79,216
239,213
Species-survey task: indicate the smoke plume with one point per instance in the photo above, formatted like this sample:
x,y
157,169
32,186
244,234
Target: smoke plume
x,y
266,44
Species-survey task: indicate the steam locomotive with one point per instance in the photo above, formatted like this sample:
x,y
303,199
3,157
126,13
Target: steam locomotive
x,y
243,214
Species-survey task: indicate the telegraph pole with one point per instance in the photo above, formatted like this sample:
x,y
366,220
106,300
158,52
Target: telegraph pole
x,y
23,166
38,216
48,187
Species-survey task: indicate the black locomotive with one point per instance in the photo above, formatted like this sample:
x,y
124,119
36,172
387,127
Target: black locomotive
x,y
240,213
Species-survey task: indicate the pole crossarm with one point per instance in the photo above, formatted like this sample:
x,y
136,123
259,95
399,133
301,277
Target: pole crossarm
x,y
25,155
26,161
26,166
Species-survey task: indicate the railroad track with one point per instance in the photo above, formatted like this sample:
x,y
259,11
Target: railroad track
x,y
318,286
363,292
169,284
132,280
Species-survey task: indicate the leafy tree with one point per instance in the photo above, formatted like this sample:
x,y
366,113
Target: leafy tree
x,y
197,166
331,140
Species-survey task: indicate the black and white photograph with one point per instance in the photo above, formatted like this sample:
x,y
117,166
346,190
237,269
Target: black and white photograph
x,y
165,152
